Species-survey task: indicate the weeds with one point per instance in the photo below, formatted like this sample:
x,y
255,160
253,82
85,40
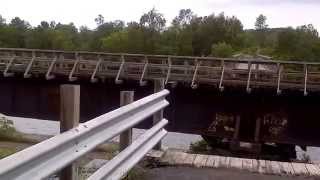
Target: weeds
x,y
200,146
4,152
8,132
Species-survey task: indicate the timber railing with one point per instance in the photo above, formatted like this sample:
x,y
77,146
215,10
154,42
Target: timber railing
x,y
220,72
50,156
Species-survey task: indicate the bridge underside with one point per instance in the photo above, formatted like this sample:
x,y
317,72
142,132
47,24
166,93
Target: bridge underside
x,y
261,116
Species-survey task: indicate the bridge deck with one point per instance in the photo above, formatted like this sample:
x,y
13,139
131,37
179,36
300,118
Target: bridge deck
x,y
220,72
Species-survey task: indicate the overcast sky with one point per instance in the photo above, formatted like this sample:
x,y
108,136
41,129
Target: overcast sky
x,y
280,13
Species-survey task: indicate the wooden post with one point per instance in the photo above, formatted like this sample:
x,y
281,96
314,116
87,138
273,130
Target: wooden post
x,y
158,116
69,118
126,97
237,129
234,144
257,130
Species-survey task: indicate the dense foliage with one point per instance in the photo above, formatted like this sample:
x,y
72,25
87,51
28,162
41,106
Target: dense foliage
x,y
188,34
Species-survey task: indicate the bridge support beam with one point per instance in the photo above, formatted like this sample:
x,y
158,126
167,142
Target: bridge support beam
x,y
158,86
126,97
69,118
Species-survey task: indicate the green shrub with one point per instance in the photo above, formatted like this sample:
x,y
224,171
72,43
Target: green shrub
x,y
222,50
199,147
7,131
4,152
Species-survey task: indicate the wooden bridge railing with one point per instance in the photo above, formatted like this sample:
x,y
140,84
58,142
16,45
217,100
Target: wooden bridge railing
x,y
246,73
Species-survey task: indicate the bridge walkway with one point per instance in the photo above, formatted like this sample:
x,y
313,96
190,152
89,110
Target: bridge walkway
x,y
291,169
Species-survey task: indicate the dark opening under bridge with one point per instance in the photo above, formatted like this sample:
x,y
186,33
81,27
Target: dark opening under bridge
x,y
249,100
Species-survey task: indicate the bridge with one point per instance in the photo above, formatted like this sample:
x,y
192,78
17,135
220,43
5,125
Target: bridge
x,y
252,100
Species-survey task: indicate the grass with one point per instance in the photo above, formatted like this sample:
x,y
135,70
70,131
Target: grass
x,y
200,146
111,150
136,173
8,132
4,152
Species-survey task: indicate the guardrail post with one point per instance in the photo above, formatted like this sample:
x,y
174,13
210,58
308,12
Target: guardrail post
x,y
158,116
69,118
126,97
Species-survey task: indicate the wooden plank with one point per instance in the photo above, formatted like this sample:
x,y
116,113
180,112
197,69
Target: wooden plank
x,y
275,167
169,157
211,161
179,158
299,169
69,118
126,97
262,168
255,165
155,154
200,160
247,164
313,169
286,168
268,167
189,159
236,163
224,162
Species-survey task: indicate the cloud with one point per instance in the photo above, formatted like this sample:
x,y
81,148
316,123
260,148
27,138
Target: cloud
x,y
260,2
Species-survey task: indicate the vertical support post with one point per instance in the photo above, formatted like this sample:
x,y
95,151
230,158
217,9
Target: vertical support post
x,y
93,79
305,79
126,97
26,73
76,62
158,116
117,80
237,128
279,78
48,74
69,118
234,144
169,70
257,130
249,77
193,84
142,82
221,88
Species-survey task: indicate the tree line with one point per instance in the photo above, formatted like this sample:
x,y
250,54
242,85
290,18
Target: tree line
x,y
187,34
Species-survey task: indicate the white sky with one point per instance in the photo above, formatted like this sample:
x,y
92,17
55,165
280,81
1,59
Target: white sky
x,y
280,13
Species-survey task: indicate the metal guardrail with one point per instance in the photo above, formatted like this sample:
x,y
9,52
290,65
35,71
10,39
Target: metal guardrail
x,y
50,156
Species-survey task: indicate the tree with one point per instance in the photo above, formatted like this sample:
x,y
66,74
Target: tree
x,y
183,19
213,29
152,24
261,28
85,38
2,21
301,43
221,50
116,42
261,23
99,20
153,20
